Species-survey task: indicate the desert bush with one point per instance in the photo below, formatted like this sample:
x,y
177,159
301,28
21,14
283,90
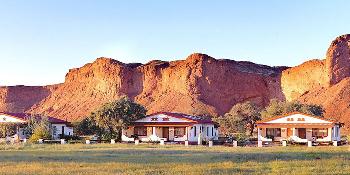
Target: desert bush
x,y
40,129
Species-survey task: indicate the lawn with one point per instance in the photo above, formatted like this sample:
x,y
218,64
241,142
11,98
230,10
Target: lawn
x,y
174,159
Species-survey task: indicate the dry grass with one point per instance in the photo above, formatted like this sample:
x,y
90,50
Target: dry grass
x,y
175,159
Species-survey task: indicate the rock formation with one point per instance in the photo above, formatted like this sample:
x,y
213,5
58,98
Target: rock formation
x,y
303,78
200,84
338,59
196,85
22,98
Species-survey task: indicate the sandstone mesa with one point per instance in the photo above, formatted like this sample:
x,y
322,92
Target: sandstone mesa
x,y
196,85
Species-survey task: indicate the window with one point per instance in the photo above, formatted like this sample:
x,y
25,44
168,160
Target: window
x,y
140,131
195,131
54,130
274,132
336,131
154,119
212,131
208,131
319,132
165,119
179,131
62,131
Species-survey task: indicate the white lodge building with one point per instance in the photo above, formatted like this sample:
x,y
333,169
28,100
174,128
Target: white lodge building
x,y
299,128
171,127
58,126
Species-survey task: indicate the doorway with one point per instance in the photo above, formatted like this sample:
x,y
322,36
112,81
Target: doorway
x,y
289,132
166,133
302,133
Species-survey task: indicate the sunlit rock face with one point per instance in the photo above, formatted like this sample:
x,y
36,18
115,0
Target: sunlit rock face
x,y
198,84
301,79
22,98
338,59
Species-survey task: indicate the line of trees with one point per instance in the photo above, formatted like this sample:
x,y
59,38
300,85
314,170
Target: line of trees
x,y
242,117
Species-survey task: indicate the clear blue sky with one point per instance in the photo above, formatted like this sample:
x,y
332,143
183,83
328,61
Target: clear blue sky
x,y
41,40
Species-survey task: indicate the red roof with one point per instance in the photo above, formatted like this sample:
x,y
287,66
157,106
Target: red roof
x,y
26,116
196,119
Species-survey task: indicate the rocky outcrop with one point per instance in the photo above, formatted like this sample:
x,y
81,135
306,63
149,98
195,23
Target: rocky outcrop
x,y
21,98
199,84
338,59
301,79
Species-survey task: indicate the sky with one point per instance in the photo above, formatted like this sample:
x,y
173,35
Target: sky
x,y
41,40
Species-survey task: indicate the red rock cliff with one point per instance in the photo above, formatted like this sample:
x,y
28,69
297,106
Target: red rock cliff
x,y
22,98
199,84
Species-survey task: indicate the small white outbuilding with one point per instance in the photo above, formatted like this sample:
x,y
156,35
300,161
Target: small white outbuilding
x,y
58,127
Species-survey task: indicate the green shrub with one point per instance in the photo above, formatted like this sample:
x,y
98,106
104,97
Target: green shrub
x,y
40,132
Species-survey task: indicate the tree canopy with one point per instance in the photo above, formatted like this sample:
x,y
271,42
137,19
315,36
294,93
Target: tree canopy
x,y
276,108
109,120
38,128
240,119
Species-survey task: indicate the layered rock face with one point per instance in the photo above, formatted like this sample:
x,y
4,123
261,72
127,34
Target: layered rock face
x,y
22,98
338,59
196,85
334,96
301,79
200,84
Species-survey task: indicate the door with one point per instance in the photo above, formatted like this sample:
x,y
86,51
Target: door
x,y
302,133
62,131
289,132
166,133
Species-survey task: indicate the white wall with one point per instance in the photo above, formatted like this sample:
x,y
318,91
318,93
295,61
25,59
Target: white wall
x,y
7,119
295,119
160,118
57,130
206,134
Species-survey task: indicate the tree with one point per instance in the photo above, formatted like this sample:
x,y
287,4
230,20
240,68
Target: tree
x,y
86,126
277,108
7,129
39,128
112,117
240,119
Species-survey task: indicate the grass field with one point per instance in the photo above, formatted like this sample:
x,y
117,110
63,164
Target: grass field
x,y
175,159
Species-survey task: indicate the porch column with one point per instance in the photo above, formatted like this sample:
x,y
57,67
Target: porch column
x,y
259,138
294,133
186,133
154,130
